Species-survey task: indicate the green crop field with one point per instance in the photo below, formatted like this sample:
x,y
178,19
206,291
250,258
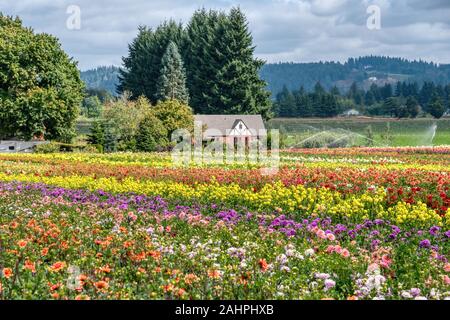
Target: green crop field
x,y
362,131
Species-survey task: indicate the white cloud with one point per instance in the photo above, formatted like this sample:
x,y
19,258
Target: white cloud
x,y
283,30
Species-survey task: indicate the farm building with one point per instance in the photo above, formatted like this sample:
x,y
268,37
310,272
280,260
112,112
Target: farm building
x,y
232,128
18,146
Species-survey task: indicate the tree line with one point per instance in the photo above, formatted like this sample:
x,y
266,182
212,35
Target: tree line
x,y
405,99
331,73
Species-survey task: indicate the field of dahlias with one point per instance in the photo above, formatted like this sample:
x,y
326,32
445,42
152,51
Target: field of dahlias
x,y
331,223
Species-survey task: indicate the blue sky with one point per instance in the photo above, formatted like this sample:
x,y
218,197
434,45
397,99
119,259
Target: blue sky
x,y
283,30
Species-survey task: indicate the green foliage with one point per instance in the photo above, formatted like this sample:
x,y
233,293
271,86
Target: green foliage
x,y
101,79
239,87
436,107
413,107
172,81
92,149
222,74
303,104
97,135
404,132
91,107
40,86
142,66
51,147
151,135
174,115
103,95
122,118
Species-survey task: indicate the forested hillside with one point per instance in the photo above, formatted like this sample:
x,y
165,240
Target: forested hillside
x,y
105,78
365,71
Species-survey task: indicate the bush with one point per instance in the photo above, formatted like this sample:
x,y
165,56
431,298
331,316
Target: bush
x,y
92,148
51,147
122,121
174,115
97,134
151,135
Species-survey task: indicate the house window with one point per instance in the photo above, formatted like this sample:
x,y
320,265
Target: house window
x,y
11,148
240,126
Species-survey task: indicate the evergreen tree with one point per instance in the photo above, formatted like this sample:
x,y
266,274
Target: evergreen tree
x,y
369,99
412,107
202,60
335,91
375,90
303,105
239,87
426,93
97,134
172,81
151,134
391,106
386,91
399,89
355,94
318,89
285,103
436,107
142,66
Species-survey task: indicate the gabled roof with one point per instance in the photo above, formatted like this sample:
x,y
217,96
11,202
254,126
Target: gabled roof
x,y
228,122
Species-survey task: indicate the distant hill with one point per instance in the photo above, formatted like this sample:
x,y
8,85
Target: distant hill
x,y
102,78
363,70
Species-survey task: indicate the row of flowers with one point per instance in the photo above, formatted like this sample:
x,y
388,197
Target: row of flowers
x,y
295,200
407,185
76,244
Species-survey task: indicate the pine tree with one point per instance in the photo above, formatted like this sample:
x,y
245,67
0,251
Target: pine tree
x,y
399,89
391,106
412,107
202,60
369,99
285,103
142,66
172,81
335,91
386,91
426,93
303,104
97,134
151,134
240,88
436,107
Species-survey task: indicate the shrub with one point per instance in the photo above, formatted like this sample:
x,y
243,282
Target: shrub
x,y
51,147
122,121
151,135
91,148
174,115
